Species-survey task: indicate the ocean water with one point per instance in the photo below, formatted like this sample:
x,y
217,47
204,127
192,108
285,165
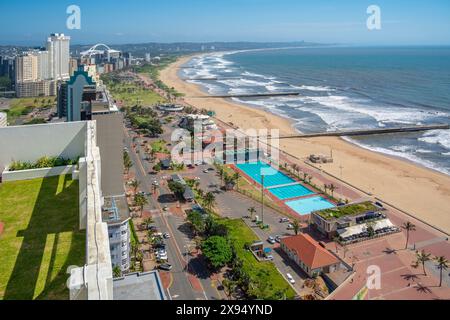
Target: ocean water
x,y
345,88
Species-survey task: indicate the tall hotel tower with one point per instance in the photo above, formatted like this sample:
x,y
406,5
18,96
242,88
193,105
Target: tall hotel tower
x,y
58,47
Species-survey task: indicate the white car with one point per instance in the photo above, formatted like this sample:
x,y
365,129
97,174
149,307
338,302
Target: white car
x,y
290,278
269,258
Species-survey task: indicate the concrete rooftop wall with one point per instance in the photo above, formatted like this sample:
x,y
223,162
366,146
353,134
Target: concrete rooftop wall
x,y
29,143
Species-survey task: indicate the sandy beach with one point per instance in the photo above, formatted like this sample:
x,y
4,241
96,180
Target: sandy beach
x,y
422,192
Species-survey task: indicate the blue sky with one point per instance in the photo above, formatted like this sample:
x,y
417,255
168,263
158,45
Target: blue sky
x,y
132,21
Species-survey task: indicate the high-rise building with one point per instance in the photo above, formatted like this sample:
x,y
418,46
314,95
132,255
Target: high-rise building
x,y
42,64
58,46
73,66
32,75
26,68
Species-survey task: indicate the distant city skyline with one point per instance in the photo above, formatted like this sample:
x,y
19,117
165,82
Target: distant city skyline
x,y
117,22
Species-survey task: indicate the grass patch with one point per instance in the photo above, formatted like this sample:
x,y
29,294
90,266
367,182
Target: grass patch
x,y
264,273
349,210
41,238
159,146
131,94
22,106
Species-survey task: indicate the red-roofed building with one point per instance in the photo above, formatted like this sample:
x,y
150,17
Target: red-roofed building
x,y
309,255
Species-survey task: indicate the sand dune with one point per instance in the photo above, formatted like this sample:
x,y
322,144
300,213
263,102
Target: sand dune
x,y
419,191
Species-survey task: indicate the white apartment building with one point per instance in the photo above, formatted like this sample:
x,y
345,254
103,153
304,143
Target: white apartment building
x,y
43,67
58,47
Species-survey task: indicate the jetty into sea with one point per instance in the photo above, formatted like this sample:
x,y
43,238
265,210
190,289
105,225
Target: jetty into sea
x,y
249,95
364,132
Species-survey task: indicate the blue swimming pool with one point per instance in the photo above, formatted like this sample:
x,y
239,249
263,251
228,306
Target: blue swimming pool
x,y
289,192
308,205
272,177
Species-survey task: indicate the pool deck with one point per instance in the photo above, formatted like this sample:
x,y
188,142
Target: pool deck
x,y
282,203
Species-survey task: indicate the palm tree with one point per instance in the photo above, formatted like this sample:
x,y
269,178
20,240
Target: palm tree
x,y
201,193
421,258
236,178
296,226
252,211
408,226
305,176
229,287
148,221
221,174
441,264
135,185
332,188
209,200
295,168
336,239
140,201
325,187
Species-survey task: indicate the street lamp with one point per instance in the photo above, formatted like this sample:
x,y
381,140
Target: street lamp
x,y
262,199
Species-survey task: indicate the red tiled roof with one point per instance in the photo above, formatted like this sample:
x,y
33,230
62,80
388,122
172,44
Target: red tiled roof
x,y
309,251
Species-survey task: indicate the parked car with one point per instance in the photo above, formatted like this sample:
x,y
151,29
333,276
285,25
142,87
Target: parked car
x,y
269,257
205,171
166,267
278,238
271,240
166,235
290,278
283,220
290,226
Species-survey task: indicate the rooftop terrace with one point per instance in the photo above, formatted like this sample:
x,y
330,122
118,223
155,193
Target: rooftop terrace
x,y
41,237
354,209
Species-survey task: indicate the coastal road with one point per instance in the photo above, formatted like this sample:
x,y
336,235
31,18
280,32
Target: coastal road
x,y
181,286
234,205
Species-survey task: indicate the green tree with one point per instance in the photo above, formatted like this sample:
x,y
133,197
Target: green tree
x,y
209,200
441,264
148,221
197,221
135,185
332,188
127,162
408,226
236,177
217,251
140,201
117,272
296,226
421,258
177,188
229,287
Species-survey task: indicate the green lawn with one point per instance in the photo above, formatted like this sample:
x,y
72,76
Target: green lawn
x,y
23,106
264,273
348,210
132,95
41,237
159,146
